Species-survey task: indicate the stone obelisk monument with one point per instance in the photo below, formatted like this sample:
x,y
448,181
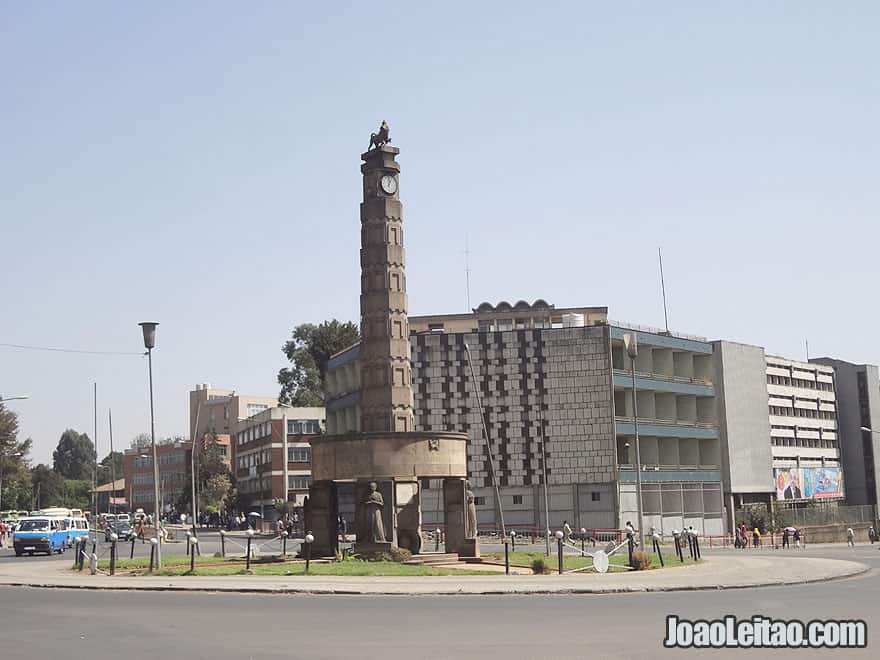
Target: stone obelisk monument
x,y
386,370
387,457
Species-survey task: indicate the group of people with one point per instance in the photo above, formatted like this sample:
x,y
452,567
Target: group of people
x,y
742,539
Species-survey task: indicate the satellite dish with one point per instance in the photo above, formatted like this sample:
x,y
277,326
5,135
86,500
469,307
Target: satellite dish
x,y
600,561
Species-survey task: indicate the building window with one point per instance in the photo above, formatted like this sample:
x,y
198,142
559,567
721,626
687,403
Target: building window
x,y
517,499
303,426
479,501
299,455
254,408
298,483
595,496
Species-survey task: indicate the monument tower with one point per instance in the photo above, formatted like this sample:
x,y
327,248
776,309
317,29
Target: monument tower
x,y
387,460
386,370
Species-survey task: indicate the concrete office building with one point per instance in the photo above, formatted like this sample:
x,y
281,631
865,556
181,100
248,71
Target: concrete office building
x,y
858,397
555,393
272,457
778,423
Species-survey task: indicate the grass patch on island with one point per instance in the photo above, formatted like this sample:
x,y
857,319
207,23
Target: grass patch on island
x,y
207,566
572,561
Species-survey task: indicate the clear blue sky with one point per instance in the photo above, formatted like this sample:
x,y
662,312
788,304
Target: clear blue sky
x,y
197,164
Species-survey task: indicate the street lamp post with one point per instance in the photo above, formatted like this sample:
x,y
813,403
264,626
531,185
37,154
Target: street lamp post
x,y
149,330
632,350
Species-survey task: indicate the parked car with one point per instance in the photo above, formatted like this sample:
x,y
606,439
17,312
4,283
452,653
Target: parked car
x,y
121,528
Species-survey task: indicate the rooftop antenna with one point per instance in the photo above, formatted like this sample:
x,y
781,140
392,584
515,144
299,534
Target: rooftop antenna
x,y
663,289
467,272
807,347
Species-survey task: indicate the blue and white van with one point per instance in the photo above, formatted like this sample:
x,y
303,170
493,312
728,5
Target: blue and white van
x,y
76,527
39,534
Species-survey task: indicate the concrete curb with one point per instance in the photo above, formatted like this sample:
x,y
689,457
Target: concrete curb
x,y
856,569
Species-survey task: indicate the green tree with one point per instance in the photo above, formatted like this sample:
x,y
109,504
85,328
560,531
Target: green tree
x,y
309,349
14,473
109,465
48,487
74,458
213,478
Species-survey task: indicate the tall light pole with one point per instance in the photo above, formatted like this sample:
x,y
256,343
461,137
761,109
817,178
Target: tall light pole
x,y
149,330
632,350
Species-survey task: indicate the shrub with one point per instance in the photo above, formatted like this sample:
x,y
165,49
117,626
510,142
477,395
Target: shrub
x,y
539,566
641,561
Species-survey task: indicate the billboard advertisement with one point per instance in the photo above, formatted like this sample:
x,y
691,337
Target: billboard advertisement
x,y
808,483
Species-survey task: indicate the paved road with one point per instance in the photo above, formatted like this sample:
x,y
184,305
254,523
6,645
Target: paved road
x,y
97,625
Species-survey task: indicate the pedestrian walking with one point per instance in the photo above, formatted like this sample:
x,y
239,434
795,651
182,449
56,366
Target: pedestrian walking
x,y
785,538
797,538
3,530
756,538
872,535
850,537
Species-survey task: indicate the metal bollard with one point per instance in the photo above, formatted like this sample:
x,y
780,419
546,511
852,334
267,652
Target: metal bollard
x,y
113,539
75,551
188,541
223,543
513,540
153,543
192,554
656,541
506,559
559,549
437,540
250,536
283,544
583,541
308,539
81,553
93,564
133,539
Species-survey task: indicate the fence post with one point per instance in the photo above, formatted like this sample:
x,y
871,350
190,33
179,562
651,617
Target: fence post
x,y
192,554
559,548
113,539
250,536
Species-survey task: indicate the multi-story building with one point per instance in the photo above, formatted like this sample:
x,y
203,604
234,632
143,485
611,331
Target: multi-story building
x,y
174,474
803,430
858,418
554,386
272,457
779,428
218,411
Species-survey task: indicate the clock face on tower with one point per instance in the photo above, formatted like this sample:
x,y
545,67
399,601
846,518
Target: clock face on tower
x,y
389,184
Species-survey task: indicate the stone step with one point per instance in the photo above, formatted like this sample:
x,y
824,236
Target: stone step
x,y
433,558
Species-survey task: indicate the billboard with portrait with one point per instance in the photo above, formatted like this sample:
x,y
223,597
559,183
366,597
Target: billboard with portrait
x,y
797,483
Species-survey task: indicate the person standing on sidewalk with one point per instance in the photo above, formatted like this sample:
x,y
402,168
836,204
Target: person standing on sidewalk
x,y
850,537
3,530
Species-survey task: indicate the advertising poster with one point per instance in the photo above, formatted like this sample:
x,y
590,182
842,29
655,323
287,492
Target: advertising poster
x,y
809,482
822,482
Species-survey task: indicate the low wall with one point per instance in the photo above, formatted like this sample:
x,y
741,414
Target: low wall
x,y
833,533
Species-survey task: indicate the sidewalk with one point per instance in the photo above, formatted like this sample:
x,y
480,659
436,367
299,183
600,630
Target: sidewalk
x,y
714,573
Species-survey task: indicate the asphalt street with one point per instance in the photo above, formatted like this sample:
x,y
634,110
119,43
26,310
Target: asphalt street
x,y
96,625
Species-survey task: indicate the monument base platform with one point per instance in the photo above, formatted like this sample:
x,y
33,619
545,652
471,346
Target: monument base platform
x,y
469,548
370,548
